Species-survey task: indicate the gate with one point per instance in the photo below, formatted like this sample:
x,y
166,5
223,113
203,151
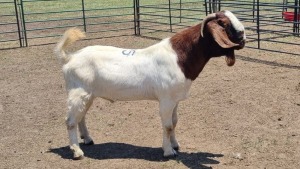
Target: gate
x,y
37,22
10,31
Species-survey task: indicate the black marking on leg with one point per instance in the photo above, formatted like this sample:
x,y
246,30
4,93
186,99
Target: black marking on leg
x,y
176,148
89,143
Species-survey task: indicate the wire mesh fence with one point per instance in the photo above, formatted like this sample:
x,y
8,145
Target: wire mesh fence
x,y
268,23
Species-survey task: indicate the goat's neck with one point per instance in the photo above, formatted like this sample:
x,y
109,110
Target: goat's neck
x,y
190,48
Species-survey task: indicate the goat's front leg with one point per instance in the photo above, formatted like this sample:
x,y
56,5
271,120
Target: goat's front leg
x,y
174,141
84,133
166,108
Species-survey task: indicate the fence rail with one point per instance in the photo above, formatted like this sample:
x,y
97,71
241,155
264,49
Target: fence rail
x,y
9,24
34,22
267,22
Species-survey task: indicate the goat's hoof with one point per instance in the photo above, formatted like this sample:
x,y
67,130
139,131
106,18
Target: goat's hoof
x,y
89,143
78,153
172,154
176,148
78,158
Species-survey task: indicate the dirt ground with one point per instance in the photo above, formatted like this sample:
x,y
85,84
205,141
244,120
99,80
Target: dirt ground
x,y
245,116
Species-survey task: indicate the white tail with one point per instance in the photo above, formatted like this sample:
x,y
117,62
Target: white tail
x,y
70,36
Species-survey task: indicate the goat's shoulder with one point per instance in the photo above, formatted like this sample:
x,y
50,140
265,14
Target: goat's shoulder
x,y
161,49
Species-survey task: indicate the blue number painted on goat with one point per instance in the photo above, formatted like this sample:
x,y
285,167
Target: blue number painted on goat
x,y
128,52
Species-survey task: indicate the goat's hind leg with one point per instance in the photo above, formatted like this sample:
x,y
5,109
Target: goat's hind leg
x,y
77,104
84,134
71,122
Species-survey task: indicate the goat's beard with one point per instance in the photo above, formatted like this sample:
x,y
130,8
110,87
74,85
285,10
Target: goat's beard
x,y
230,58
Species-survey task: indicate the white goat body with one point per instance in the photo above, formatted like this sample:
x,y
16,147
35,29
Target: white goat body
x,y
162,72
108,72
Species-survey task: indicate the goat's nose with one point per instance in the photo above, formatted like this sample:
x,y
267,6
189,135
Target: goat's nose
x,y
241,35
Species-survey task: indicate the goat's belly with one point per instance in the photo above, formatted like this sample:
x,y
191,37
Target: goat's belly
x,y
125,94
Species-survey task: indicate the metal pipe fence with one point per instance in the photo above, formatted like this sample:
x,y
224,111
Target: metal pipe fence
x,y
168,16
9,23
34,22
269,23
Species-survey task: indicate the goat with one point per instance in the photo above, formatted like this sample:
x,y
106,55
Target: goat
x,y
162,72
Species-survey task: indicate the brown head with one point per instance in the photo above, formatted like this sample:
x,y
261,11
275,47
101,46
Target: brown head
x,y
225,33
218,35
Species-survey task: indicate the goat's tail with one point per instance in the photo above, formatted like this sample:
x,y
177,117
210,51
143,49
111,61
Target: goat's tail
x,y
70,36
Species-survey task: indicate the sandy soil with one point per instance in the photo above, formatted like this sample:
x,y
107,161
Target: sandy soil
x,y
245,116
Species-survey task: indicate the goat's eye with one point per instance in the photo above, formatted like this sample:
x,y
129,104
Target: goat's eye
x,y
221,23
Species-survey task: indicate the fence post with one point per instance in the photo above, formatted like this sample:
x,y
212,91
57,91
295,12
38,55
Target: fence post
x,y
253,10
214,5
170,16
134,16
137,28
205,5
209,4
83,15
18,22
23,24
257,23
296,18
180,11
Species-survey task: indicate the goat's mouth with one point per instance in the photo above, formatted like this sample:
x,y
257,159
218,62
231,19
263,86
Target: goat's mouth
x,y
240,45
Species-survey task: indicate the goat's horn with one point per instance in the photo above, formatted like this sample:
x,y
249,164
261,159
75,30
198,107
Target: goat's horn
x,y
208,18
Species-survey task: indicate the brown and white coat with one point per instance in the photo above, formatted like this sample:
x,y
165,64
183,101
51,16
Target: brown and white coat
x,y
162,72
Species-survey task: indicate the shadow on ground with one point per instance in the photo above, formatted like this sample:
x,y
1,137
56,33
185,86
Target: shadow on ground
x,y
244,58
126,151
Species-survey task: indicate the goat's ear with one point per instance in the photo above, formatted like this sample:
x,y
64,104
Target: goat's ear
x,y
206,20
219,34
